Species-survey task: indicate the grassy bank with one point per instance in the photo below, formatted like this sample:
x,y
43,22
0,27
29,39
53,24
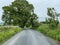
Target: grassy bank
x,y
8,32
53,33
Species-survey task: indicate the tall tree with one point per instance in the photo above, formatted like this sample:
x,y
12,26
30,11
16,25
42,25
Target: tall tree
x,y
53,20
18,13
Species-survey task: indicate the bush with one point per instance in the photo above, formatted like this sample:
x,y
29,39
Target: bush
x,y
52,23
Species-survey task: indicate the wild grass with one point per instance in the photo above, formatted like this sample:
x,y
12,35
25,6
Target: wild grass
x,y
53,33
7,32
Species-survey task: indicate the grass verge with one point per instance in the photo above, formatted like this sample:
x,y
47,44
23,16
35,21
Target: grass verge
x,y
53,33
8,32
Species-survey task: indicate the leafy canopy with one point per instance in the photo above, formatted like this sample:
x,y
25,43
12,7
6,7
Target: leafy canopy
x,y
20,12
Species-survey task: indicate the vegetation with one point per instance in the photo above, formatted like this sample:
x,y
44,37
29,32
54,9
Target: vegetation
x,y
19,13
8,32
53,33
51,26
53,20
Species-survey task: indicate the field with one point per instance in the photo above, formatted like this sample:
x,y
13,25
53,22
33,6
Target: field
x,y
53,33
7,32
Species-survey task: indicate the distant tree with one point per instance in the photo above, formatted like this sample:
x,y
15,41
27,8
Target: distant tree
x,y
19,13
53,20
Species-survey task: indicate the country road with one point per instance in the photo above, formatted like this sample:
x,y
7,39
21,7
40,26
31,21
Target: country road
x,y
30,37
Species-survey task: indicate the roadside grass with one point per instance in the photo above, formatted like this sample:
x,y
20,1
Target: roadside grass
x,y
53,33
8,32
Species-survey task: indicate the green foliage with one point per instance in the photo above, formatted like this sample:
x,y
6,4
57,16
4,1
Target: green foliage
x,y
35,25
6,33
19,13
52,23
53,20
53,33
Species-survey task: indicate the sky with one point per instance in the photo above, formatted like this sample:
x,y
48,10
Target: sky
x,y
39,5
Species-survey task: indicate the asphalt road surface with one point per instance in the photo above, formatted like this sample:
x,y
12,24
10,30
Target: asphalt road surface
x,y
30,37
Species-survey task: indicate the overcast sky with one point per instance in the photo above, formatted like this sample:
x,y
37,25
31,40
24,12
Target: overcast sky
x,y
40,7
